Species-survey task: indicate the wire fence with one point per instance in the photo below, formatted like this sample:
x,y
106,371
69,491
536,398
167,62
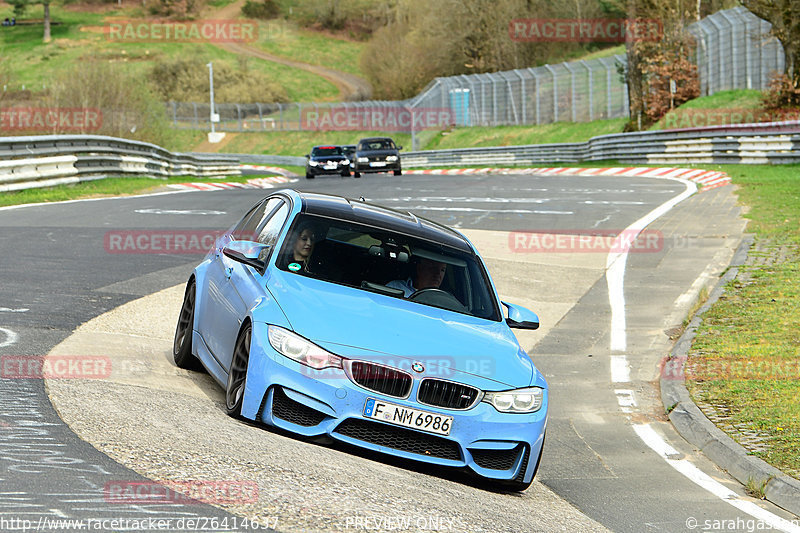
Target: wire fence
x,y
734,51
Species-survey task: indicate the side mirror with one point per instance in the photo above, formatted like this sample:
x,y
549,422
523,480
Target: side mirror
x,y
249,253
521,318
399,147
308,156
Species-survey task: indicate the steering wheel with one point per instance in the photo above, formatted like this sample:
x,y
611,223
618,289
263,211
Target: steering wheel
x,y
438,298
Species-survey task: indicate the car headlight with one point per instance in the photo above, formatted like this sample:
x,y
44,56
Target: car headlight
x,y
299,349
391,158
313,163
345,162
363,159
527,400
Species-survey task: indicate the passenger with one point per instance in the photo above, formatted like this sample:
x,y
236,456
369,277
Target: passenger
x,y
302,248
428,274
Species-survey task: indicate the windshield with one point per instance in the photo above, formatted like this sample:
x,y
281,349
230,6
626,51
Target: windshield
x,y
380,144
326,151
383,261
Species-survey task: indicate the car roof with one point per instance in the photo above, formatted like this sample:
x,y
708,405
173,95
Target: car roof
x,y
339,207
370,139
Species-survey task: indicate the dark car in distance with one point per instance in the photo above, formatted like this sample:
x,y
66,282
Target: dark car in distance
x,y
377,154
350,151
327,160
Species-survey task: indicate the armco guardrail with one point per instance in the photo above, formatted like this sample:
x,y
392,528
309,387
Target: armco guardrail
x,y
47,160
774,142
274,160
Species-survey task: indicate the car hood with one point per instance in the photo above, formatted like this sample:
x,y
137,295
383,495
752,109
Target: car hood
x,y
327,157
359,324
376,153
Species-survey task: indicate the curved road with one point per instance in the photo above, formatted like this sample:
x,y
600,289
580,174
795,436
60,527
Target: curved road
x,y
599,467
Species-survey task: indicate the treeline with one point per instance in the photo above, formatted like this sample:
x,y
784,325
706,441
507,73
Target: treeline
x,y
411,42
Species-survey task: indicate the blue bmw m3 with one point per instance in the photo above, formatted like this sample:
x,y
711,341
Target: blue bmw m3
x,y
330,317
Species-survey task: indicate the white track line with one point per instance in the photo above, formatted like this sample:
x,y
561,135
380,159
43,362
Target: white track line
x,y
655,442
615,264
10,337
620,370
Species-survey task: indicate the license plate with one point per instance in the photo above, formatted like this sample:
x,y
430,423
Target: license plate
x,y
330,167
377,164
400,415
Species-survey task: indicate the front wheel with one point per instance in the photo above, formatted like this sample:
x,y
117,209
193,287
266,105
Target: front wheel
x,y
356,174
398,172
309,176
519,486
182,345
237,374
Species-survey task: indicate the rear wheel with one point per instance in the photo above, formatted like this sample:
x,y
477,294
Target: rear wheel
x,y
182,345
237,374
356,174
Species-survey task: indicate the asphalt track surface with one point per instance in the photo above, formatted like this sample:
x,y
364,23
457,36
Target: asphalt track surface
x,y
58,274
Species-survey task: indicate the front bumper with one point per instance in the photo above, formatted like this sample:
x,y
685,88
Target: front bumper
x,y
285,394
390,166
321,170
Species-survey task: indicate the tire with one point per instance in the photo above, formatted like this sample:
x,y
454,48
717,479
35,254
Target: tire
x,y
237,373
356,174
516,486
398,172
182,345
346,173
309,176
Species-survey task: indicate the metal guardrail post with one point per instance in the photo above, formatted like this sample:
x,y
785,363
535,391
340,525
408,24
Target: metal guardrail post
x,y
523,96
573,104
591,89
555,92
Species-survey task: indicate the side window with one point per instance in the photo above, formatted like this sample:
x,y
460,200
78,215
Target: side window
x,y
246,230
269,232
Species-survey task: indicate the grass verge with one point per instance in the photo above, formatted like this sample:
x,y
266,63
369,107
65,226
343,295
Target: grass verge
x,y
299,143
78,36
283,38
745,359
558,132
99,188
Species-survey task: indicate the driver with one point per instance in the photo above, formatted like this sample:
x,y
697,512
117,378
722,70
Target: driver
x,y
428,274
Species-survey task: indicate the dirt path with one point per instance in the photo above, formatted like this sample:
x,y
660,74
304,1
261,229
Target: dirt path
x,y
350,86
